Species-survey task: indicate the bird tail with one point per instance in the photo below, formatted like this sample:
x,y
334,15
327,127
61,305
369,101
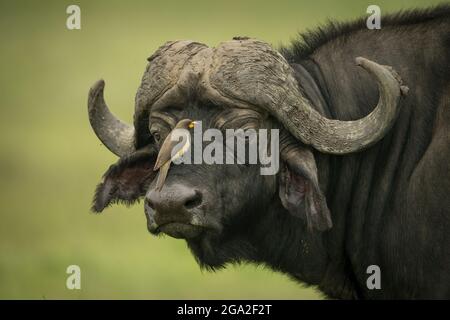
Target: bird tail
x,y
162,176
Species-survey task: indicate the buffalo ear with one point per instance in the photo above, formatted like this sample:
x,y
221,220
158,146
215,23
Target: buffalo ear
x,y
300,192
127,180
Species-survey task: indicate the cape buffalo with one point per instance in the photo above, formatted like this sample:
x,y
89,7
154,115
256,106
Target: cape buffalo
x,y
364,175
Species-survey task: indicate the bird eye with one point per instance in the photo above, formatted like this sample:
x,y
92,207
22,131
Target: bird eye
x,y
156,136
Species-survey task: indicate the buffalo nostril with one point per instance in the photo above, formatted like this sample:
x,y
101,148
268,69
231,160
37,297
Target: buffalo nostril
x,y
193,201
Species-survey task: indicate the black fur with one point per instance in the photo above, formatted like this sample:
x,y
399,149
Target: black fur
x,y
389,204
386,210
310,40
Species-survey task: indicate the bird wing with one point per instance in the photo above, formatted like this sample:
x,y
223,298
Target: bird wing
x,y
163,155
162,175
183,149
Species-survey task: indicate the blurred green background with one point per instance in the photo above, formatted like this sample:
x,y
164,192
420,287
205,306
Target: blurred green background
x,y
50,160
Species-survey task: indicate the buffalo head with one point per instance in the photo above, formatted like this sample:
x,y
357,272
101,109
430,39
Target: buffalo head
x,y
242,83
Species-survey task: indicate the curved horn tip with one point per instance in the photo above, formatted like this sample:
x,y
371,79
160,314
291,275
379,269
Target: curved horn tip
x,y
116,135
97,87
99,83
366,63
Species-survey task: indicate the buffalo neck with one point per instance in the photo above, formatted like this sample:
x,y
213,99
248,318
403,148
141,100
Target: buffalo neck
x,y
322,255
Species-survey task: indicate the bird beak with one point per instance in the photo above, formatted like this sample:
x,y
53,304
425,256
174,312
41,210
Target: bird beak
x,y
192,124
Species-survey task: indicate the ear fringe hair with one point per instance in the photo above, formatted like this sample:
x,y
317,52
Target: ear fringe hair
x,y
102,200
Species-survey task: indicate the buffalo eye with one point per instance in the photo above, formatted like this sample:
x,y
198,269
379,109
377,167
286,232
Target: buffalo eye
x,y
154,131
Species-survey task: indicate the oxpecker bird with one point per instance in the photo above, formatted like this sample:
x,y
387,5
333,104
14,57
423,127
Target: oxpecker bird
x,y
165,156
